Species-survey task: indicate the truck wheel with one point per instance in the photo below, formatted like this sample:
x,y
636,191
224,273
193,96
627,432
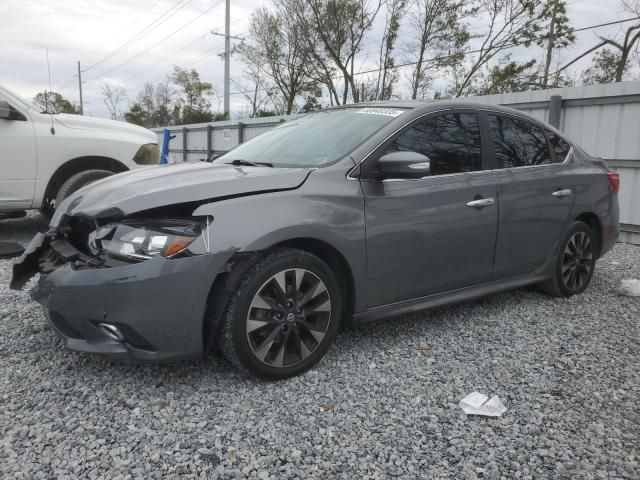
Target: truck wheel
x,y
79,180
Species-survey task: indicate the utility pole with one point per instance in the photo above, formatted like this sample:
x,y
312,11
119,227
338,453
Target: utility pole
x,y
227,53
80,87
227,56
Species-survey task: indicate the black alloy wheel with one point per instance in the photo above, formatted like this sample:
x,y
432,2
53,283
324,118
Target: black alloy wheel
x,y
283,315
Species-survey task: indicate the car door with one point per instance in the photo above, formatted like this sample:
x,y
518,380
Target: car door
x,y
436,233
17,158
535,191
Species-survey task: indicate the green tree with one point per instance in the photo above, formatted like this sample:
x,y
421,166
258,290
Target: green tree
x,y
340,27
193,96
440,40
509,23
604,68
53,102
388,75
508,76
277,54
625,47
154,107
560,34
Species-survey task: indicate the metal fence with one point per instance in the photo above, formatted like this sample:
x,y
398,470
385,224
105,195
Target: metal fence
x,y
603,119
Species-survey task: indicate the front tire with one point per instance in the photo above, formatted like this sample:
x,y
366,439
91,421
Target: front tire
x,y
77,181
575,263
284,315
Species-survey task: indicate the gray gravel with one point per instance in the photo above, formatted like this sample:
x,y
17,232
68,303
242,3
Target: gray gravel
x,y
382,404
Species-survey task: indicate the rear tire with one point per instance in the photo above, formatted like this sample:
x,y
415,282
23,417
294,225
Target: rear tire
x,y
575,263
275,332
77,181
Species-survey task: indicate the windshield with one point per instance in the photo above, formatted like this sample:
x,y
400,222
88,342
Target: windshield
x,y
314,140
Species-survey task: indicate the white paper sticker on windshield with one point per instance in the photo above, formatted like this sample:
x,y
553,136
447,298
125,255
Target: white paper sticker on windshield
x,y
389,112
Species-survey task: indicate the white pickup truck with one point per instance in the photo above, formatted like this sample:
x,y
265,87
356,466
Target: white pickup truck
x,y
46,157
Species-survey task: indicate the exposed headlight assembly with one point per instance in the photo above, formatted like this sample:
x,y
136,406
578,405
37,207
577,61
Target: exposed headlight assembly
x,y
137,240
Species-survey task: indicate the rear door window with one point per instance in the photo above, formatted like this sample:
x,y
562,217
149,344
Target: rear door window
x,y
518,143
451,141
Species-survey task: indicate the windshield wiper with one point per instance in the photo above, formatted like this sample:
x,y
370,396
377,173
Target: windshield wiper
x,y
246,163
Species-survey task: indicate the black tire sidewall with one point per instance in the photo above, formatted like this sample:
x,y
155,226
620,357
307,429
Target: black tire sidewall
x,y
293,259
575,228
79,180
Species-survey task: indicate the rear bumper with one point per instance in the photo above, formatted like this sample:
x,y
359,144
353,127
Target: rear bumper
x,y
158,305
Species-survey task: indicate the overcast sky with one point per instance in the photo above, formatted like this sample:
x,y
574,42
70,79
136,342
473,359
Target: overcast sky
x,y
90,30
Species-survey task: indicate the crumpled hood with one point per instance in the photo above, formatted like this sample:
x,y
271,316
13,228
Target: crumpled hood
x,y
163,185
92,123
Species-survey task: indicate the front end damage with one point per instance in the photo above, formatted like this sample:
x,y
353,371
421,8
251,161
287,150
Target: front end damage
x,y
129,307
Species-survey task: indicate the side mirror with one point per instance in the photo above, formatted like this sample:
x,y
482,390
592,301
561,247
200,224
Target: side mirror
x,y
5,110
404,165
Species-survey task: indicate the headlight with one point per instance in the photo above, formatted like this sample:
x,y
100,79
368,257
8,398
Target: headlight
x,y
148,154
144,239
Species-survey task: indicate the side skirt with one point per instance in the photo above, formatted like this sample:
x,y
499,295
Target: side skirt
x,y
453,296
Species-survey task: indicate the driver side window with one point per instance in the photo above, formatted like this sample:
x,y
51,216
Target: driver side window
x,y
451,141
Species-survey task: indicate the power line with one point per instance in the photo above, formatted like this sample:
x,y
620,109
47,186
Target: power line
x,y
179,5
159,41
606,24
153,65
445,57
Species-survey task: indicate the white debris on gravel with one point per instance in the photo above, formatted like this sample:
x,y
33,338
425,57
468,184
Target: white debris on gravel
x,y
477,403
569,370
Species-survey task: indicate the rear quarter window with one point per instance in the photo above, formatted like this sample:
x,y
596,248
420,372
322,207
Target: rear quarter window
x,y
559,145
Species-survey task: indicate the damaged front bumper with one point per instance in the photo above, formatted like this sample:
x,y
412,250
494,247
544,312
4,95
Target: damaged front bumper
x,y
156,307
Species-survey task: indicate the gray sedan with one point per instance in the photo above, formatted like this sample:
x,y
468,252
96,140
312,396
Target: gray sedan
x,y
344,216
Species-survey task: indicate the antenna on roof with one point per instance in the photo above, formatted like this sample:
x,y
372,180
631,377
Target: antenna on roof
x,y
46,97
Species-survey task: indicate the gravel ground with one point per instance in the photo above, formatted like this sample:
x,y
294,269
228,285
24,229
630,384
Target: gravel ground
x,y
382,404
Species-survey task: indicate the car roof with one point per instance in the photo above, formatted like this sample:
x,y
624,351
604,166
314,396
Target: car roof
x,y
435,104
418,107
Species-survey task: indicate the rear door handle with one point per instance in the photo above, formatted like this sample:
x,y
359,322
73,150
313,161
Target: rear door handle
x,y
562,193
482,202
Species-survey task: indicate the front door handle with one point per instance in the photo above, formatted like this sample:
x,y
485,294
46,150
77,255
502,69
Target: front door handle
x,y
562,193
481,202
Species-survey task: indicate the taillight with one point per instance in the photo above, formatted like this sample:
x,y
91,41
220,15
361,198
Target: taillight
x,y
614,180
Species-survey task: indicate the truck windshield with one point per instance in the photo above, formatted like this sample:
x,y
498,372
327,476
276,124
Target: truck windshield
x,y
314,140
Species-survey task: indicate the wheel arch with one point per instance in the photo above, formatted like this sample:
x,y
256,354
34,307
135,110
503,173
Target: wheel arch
x,y
595,224
336,262
76,165
229,278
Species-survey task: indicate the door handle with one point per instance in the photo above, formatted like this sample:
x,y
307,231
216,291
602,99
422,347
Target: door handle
x,y
562,193
481,202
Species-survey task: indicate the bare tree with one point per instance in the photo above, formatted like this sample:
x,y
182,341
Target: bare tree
x,y
441,35
259,96
340,27
625,47
112,95
278,50
388,75
560,34
629,40
510,23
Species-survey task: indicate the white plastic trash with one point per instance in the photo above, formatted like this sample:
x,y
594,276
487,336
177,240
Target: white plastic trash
x,y
630,287
478,404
